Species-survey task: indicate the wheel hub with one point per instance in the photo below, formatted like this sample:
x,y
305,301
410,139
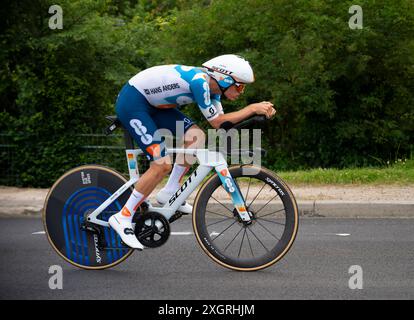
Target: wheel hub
x,y
240,220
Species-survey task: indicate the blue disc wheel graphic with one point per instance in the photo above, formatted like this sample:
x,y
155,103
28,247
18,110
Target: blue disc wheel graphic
x,y
74,195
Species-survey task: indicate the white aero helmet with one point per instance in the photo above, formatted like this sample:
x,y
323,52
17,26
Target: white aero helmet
x,y
229,69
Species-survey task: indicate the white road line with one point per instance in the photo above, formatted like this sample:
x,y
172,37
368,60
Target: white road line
x,y
329,234
39,232
186,233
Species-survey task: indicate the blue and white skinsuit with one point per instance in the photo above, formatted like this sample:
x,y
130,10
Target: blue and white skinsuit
x,y
148,102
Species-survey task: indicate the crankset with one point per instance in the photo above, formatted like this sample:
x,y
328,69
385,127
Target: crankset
x,y
151,229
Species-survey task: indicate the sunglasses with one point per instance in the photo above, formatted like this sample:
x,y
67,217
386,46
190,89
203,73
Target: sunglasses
x,y
239,87
228,81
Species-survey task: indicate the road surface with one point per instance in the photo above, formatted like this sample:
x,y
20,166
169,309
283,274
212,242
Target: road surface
x,y
317,267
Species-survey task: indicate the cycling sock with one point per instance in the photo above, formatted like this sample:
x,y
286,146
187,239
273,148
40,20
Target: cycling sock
x,y
132,205
176,175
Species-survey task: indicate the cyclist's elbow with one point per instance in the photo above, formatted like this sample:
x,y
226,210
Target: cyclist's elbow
x,y
216,122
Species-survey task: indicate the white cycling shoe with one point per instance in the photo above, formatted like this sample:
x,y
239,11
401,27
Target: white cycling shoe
x,y
124,228
163,197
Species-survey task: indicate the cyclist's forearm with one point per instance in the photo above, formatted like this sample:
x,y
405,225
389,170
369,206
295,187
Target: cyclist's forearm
x,y
234,117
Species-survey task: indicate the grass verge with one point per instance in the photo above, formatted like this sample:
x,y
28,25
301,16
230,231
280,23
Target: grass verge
x,y
401,172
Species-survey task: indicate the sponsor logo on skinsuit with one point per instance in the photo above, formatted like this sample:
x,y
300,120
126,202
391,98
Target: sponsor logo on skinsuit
x,y
141,131
167,87
154,150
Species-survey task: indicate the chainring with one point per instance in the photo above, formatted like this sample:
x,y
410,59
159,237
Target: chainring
x,y
152,229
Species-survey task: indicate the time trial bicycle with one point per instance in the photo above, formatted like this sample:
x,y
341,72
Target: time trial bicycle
x,y
244,217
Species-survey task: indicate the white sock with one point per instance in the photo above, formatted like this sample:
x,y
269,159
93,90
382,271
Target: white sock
x,y
176,175
131,205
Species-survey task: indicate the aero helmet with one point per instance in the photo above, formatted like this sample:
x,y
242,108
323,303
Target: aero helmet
x,y
229,69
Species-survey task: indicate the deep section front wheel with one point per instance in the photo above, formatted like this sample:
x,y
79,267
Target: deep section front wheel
x,y
73,196
227,239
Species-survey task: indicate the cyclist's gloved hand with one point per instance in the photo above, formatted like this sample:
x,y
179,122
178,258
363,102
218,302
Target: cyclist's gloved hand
x,y
265,107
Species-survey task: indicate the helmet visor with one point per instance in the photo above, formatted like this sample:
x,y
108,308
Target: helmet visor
x,y
225,82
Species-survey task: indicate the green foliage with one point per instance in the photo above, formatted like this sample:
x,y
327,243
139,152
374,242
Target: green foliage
x,y
59,83
344,97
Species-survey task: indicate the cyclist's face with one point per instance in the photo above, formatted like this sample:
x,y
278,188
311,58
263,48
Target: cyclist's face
x,y
232,93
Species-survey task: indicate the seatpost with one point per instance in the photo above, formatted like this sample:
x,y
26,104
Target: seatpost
x,y
129,142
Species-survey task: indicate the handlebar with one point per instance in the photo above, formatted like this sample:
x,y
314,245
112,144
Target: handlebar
x,y
227,125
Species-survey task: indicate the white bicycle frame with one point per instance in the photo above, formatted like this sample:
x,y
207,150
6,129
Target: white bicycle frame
x,y
208,160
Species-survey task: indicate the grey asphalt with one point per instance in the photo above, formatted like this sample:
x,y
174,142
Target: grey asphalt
x,y
317,266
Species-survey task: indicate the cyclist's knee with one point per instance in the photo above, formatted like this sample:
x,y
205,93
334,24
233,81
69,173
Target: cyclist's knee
x,y
161,167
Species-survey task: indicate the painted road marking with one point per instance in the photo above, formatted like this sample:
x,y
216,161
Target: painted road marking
x,y
188,233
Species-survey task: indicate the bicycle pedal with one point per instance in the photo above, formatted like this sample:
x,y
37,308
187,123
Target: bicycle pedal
x,y
89,228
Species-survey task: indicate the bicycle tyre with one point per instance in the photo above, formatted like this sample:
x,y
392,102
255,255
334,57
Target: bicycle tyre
x,y
72,196
213,250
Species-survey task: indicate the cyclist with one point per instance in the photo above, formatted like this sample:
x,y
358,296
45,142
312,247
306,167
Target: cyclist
x,y
148,102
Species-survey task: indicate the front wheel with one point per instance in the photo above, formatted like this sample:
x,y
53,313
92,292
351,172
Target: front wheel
x,y
230,242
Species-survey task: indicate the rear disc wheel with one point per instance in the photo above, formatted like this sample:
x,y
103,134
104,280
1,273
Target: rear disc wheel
x,y
73,196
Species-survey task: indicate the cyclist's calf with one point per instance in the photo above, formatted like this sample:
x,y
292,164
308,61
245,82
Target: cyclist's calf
x,y
157,171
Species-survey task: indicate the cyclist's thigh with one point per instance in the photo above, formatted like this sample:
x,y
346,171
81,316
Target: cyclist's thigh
x,y
133,111
172,120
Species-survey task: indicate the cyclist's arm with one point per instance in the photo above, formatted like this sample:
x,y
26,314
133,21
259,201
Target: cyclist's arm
x,y
216,101
234,117
265,108
211,107
208,105
213,112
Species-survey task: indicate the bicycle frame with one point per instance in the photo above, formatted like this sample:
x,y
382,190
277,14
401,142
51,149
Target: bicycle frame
x,y
208,160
